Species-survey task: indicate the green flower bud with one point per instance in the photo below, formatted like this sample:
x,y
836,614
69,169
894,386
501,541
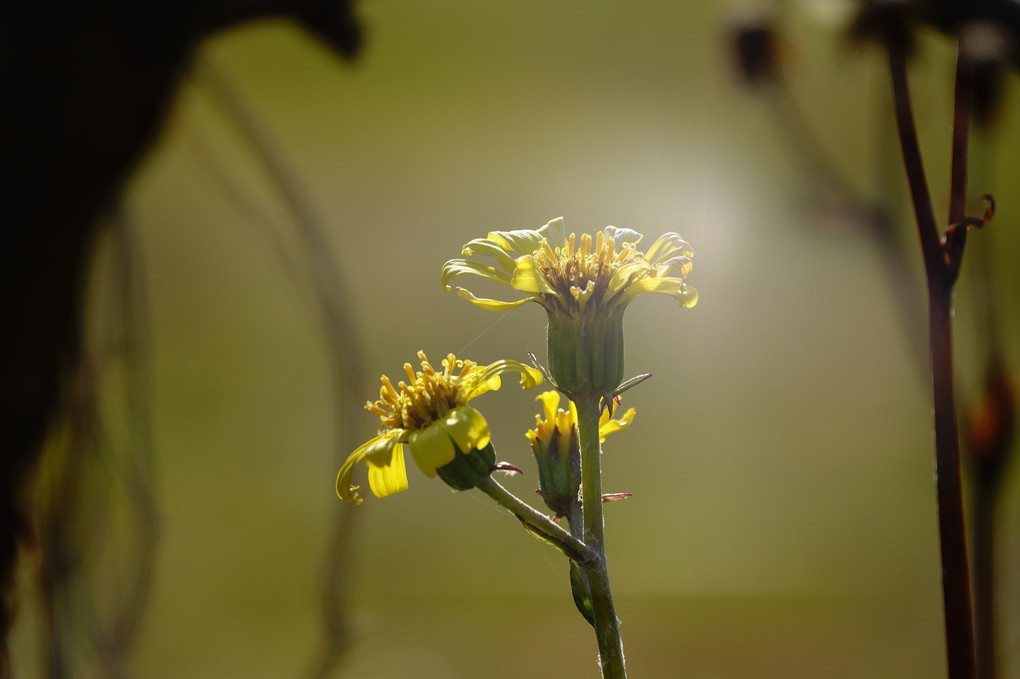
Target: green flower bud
x,y
554,443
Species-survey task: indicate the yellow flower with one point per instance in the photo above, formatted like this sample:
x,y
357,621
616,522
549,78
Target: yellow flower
x,y
585,284
430,414
555,445
565,273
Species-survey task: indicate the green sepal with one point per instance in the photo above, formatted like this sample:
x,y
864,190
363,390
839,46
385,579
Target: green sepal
x,y
467,470
579,589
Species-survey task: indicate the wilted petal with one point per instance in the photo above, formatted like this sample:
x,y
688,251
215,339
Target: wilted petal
x,y
681,263
621,236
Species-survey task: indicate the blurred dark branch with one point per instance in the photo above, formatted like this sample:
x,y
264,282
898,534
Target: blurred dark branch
x,y
986,49
986,45
920,197
345,353
941,268
990,437
985,490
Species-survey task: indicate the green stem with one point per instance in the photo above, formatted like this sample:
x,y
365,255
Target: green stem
x,y
537,523
607,626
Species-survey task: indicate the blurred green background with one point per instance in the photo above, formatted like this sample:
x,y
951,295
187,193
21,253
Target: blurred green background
x,y
783,517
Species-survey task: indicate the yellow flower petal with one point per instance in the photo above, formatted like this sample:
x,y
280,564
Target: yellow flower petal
x,y
491,304
479,380
688,296
474,390
608,425
528,278
621,236
643,285
555,231
455,268
625,275
431,448
550,403
467,428
345,487
666,246
484,246
386,473
519,242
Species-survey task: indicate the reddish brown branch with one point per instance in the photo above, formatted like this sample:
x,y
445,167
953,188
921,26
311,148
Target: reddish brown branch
x,y
941,265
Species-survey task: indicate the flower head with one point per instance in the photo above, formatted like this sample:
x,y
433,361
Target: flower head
x,y
430,414
564,272
585,284
556,448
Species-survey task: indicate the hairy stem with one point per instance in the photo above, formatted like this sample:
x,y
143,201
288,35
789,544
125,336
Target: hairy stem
x,y
607,626
537,523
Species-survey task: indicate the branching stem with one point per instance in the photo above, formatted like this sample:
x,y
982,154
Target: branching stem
x,y
941,264
537,523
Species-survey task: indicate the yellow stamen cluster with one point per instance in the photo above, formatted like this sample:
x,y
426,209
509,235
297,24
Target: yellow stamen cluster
x,y
576,272
428,397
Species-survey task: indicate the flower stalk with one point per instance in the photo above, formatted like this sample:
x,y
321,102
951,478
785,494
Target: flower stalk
x,y
585,284
607,626
537,523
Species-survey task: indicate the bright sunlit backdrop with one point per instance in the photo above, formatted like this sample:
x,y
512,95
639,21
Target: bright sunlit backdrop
x,y
783,518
